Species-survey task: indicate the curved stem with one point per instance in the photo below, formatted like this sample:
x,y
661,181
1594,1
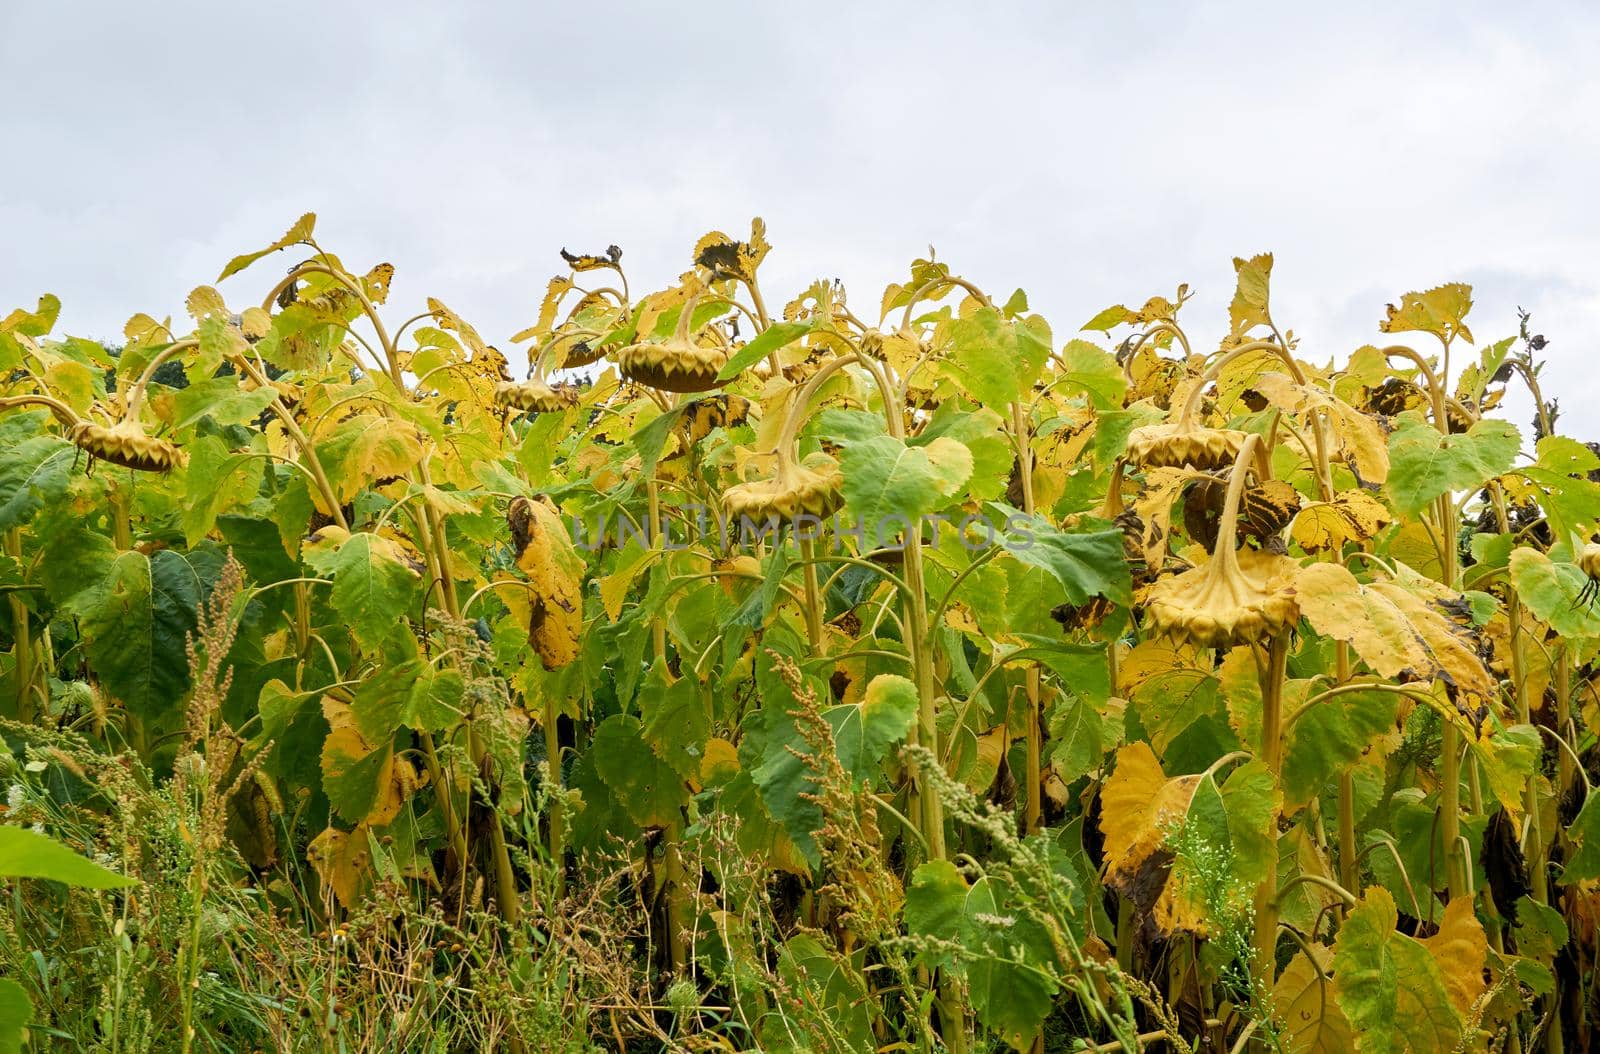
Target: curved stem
x,y
136,393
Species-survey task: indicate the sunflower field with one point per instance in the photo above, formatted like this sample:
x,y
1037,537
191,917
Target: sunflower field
x,y
721,669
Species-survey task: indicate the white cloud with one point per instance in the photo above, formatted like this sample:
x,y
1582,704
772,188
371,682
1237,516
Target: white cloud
x,y
1088,154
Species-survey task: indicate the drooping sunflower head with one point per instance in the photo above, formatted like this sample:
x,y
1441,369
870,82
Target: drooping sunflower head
x,y
681,363
1589,560
675,365
811,487
1181,445
535,396
126,444
1234,598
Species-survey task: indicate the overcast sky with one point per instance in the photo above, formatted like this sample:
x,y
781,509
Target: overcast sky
x,y
1087,152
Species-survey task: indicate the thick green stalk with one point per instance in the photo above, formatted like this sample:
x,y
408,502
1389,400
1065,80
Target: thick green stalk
x,y
1032,807
22,635
552,759
673,874
1271,754
1349,868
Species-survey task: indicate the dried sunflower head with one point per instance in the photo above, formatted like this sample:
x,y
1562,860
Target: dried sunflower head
x,y
583,353
1182,445
1589,564
126,444
1235,597
535,396
1589,560
673,366
811,487
678,364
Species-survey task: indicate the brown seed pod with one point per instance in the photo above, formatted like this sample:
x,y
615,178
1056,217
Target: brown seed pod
x,y
811,487
125,444
535,396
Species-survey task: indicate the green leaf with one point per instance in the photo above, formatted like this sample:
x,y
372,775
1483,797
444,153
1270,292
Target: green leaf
x,y
33,472
650,438
777,758
1083,668
996,360
216,480
1424,463
27,854
890,486
1551,592
221,399
300,232
1087,564
1109,319
832,987
774,337
1389,986
1009,969
936,907
1078,742
1092,370
411,695
1251,801
1566,455
373,587
1329,738
647,787
863,732
135,622
983,433
676,724
358,778
1541,930
1583,856
16,1011
1508,759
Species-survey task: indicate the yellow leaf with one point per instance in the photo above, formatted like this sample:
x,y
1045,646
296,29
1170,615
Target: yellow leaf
x,y
1460,949
720,762
1450,649
1139,807
1440,311
1303,999
453,322
555,572
343,862
1249,307
1353,516
726,258
255,322
1339,606
204,302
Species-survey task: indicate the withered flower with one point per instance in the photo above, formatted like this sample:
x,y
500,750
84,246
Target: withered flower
x,y
810,487
678,364
1181,444
1236,597
125,444
535,396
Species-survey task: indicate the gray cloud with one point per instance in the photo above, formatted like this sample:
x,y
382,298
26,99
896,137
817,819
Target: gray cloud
x,y
1091,155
